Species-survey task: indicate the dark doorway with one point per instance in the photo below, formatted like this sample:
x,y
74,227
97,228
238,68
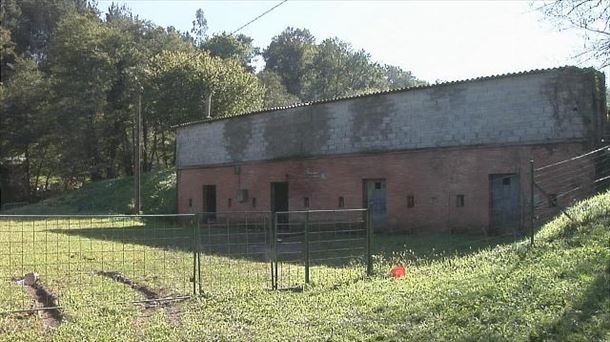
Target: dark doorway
x,y
209,202
505,206
374,195
279,199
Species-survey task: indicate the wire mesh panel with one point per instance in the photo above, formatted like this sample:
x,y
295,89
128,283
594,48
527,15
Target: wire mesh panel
x,y
108,258
320,247
561,184
234,251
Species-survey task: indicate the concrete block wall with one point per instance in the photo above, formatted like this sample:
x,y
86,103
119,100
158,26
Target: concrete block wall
x,y
557,105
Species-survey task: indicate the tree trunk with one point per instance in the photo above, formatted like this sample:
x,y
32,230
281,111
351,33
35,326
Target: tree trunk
x,y
145,165
154,148
164,151
27,172
48,175
127,153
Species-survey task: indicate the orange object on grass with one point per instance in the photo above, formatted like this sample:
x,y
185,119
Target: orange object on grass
x,y
398,271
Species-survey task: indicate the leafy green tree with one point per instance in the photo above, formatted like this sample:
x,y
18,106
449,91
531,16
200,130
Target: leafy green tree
x,y
85,71
275,92
8,54
338,70
227,46
133,42
33,22
25,130
330,69
199,31
289,55
180,81
396,77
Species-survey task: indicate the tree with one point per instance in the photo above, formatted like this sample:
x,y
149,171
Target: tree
x,y
330,69
591,17
200,28
85,71
33,22
275,92
339,70
396,77
8,54
132,43
227,46
25,130
289,55
180,82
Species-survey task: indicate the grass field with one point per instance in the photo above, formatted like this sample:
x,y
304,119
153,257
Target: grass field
x,y
491,289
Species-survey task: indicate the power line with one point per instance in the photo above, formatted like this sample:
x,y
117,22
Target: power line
x,y
259,16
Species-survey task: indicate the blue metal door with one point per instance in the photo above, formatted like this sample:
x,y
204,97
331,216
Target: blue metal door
x,y
505,203
375,200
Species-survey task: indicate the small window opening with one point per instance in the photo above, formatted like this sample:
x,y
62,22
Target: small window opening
x,y
242,195
190,202
229,202
253,202
506,181
459,201
377,185
341,202
306,202
410,201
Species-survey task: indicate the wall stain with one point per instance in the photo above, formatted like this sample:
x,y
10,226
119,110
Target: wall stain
x,y
368,115
300,133
237,135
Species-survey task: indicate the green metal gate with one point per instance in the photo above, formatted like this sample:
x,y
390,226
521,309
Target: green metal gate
x,y
245,251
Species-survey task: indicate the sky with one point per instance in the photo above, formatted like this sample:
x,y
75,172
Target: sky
x,y
435,40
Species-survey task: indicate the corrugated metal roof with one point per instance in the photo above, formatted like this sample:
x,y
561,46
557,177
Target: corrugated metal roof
x,y
382,92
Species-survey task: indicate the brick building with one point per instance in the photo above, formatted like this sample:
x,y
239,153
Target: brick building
x,y
451,156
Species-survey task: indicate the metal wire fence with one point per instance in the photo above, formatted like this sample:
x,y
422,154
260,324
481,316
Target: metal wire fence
x,y
321,247
99,255
241,251
53,261
234,251
560,185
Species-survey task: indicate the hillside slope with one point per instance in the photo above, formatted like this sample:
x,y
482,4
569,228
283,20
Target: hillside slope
x,y
113,196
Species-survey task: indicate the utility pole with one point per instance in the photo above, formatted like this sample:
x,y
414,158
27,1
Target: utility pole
x,y
208,106
137,155
532,204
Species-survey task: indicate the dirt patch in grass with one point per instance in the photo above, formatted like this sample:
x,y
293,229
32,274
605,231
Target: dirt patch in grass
x,y
154,299
45,304
149,293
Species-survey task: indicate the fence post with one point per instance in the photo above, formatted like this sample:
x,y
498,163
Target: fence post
x,y
269,229
199,251
306,247
369,243
273,226
532,204
195,256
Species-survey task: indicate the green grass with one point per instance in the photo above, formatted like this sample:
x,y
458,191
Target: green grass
x,y
488,289
113,196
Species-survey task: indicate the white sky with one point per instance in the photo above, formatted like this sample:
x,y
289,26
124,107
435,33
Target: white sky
x,y
436,40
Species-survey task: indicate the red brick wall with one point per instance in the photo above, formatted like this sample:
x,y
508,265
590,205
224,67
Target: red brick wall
x,y
433,176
